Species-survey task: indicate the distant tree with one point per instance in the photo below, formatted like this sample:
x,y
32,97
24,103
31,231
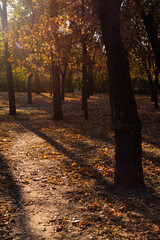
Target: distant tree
x,y
10,83
147,10
125,121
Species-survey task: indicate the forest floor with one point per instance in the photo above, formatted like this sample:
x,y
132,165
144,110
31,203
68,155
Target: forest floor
x,y
56,177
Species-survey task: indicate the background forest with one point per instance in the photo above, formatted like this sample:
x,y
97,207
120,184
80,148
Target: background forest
x,y
79,149
35,37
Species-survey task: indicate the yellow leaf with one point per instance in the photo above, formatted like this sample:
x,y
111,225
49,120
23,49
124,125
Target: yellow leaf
x,y
74,164
156,228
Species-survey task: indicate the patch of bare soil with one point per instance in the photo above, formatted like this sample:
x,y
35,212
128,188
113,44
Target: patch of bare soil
x,y
56,177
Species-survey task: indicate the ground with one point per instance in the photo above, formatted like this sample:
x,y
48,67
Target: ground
x,y
56,177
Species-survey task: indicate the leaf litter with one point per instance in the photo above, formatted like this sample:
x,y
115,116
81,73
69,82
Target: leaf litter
x,y
56,178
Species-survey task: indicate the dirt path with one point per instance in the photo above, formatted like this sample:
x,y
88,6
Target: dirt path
x,y
56,178
42,209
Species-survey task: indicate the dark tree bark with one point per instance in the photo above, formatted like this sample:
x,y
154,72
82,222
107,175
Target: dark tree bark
x,y
37,81
125,121
84,70
57,104
84,81
10,83
152,31
29,85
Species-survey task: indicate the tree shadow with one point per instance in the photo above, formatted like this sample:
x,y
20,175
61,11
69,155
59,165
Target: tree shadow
x,y
142,201
154,159
73,156
11,191
41,94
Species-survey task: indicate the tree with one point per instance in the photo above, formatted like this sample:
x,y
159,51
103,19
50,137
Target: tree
x,y
32,29
10,83
125,121
138,47
152,31
84,30
57,105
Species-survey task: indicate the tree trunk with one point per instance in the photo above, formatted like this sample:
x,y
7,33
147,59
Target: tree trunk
x,y
37,81
84,81
152,31
125,121
84,92
84,68
10,83
30,88
57,105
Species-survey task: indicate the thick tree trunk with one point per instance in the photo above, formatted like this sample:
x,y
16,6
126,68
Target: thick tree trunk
x,y
29,85
125,121
57,105
10,83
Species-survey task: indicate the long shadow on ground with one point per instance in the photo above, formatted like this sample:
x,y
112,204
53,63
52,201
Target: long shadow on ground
x,y
142,201
102,190
11,191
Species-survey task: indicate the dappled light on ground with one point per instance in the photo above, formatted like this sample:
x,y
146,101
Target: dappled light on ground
x,y
58,176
